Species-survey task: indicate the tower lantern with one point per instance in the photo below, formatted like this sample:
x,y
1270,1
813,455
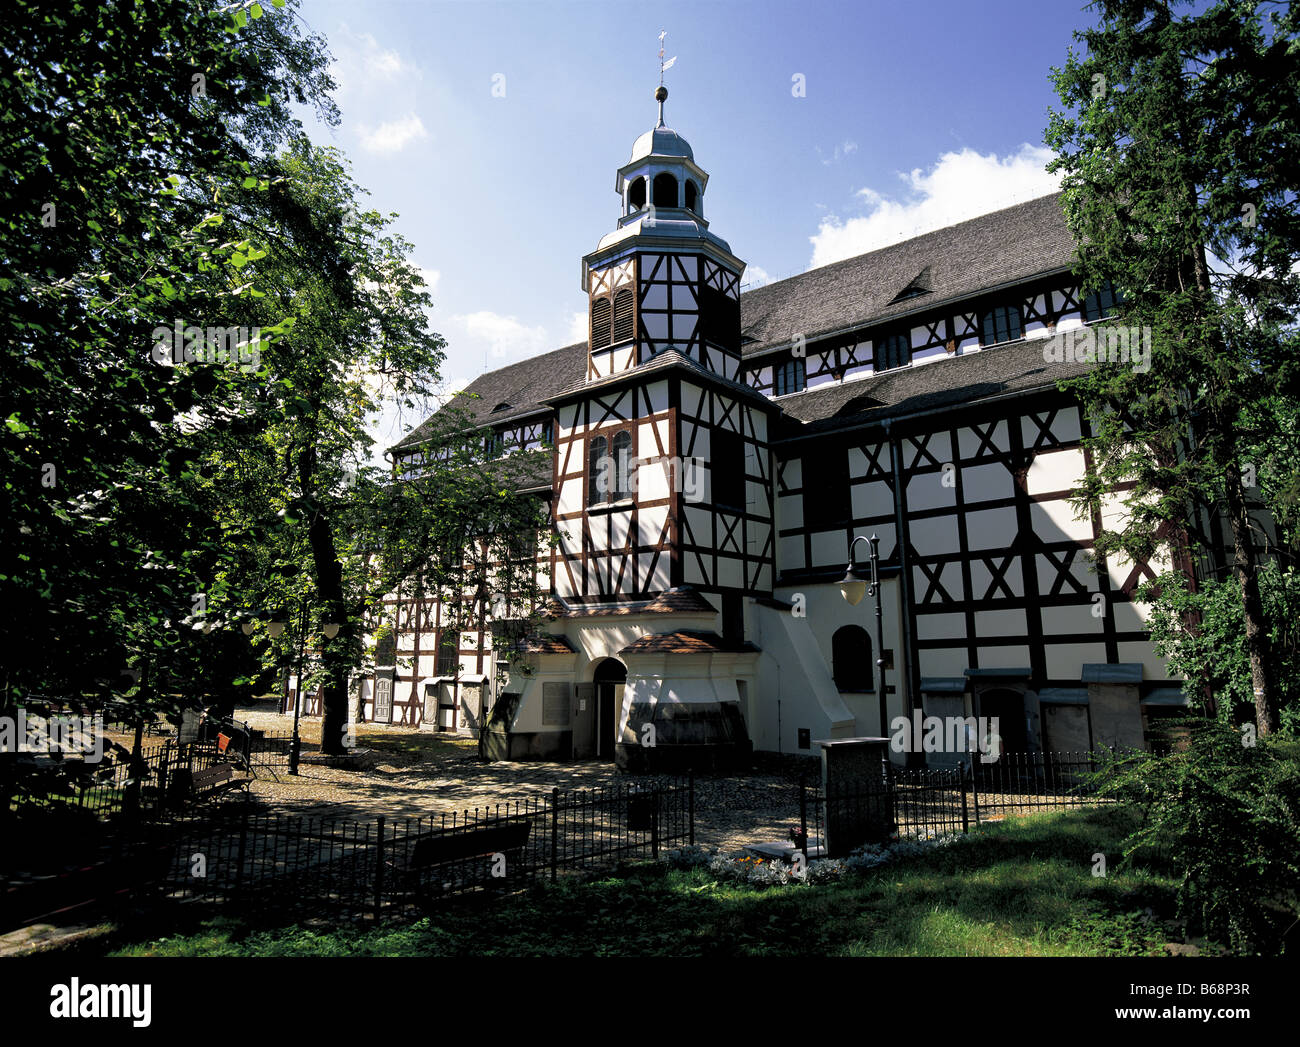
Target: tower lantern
x,y
661,280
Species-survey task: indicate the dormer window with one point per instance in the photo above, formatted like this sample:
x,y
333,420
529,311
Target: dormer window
x,y
636,195
501,407
665,190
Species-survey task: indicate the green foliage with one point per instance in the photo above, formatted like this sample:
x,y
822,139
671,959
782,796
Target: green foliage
x,y
1226,814
1177,149
1213,648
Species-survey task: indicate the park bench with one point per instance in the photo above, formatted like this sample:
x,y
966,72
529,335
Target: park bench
x,y
214,780
435,864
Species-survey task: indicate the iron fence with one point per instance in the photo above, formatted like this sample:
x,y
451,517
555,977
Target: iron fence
x,y
349,869
906,803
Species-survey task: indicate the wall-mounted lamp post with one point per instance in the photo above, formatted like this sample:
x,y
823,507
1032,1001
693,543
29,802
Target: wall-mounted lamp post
x,y
854,587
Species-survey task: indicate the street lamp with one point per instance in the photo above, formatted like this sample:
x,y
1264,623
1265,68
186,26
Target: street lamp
x,y
854,587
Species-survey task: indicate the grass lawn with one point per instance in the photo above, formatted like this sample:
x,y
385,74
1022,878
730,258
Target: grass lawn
x,y
1023,887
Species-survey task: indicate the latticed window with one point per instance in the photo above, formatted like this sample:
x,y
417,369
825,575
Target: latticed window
x,y
448,656
790,377
892,351
1001,324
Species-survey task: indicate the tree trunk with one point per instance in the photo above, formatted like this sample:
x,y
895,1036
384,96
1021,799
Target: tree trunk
x,y
1246,567
329,590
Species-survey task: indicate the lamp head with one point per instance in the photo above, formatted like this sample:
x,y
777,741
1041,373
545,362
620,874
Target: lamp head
x,y
853,587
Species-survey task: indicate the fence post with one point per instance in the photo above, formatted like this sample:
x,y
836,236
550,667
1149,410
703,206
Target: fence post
x,y
555,831
690,802
163,765
243,842
974,789
379,870
654,827
965,817
803,818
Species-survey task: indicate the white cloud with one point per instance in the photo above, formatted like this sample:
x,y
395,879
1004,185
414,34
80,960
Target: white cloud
x,y
394,135
430,278
361,62
959,186
501,336
755,276
841,150
577,331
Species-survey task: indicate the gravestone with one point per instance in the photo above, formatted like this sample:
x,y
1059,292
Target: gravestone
x,y
858,800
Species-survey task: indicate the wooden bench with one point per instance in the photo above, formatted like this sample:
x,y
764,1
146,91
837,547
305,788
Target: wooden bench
x,y
214,780
420,873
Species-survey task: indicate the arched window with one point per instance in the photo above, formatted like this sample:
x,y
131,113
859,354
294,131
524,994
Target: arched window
x,y
851,659
791,377
1000,324
636,195
622,448
624,315
692,196
665,190
600,312
598,478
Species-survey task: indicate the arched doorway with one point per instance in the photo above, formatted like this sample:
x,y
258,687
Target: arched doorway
x,y
609,678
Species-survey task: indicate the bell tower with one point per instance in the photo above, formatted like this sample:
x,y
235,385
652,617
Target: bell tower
x,y
661,280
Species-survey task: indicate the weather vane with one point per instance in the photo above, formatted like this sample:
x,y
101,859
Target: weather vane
x,y
664,66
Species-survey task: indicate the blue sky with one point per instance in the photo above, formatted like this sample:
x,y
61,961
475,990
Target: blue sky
x,y
495,129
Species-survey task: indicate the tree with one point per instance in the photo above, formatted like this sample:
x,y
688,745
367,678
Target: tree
x,y
307,520
127,129
1178,148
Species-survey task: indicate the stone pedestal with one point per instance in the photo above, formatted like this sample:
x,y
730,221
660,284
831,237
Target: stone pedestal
x,y
858,804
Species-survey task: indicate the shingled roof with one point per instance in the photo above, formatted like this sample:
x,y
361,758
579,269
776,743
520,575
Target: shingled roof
x,y
1016,366
1013,244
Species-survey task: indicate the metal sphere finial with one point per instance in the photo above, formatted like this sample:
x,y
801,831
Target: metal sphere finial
x,y
661,93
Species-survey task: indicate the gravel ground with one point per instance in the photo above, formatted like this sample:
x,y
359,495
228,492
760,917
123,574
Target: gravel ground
x,y
412,773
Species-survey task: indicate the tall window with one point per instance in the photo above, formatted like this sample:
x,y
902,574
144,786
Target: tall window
x,y
827,501
727,467
851,659
448,655
892,351
600,326
599,481
1001,324
622,448
790,377
636,195
692,196
624,315
1101,303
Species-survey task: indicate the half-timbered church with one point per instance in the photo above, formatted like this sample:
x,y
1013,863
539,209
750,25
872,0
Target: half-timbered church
x,y
716,452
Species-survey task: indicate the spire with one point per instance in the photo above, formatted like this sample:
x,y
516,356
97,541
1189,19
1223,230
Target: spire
x,y
661,92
